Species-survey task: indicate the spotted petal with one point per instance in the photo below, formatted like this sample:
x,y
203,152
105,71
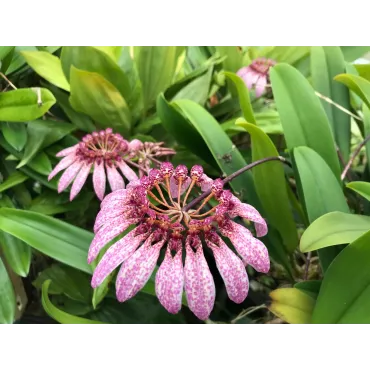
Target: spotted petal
x,y
127,171
174,187
136,271
68,175
169,281
62,165
260,85
115,179
80,180
67,151
199,284
99,180
119,195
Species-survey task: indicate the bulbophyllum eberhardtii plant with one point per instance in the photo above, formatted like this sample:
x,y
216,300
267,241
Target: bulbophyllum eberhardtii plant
x,y
171,208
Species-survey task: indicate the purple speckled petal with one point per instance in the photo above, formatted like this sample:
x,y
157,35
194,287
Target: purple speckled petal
x,y
62,165
105,234
127,171
232,270
115,255
252,250
206,183
260,86
133,184
136,271
250,213
68,175
118,195
174,187
106,215
199,285
99,180
67,151
80,180
115,179
169,281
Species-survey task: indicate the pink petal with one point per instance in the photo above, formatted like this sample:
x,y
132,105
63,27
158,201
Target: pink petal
x,y
63,164
260,86
199,284
67,151
115,255
68,175
118,195
243,71
174,187
136,271
99,180
106,214
107,233
80,180
252,250
206,183
115,179
250,213
133,184
127,171
169,281
231,269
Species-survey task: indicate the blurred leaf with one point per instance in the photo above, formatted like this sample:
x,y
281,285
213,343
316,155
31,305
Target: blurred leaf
x,y
333,228
21,105
5,63
302,115
344,296
113,51
360,187
363,70
47,66
59,315
355,100
70,306
287,54
351,53
270,183
7,301
292,305
4,51
156,66
15,134
310,287
357,84
18,60
57,239
366,121
234,57
14,179
244,99
326,63
41,164
95,96
319,191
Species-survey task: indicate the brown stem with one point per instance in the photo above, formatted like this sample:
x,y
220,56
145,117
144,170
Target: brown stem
x,y
232,177
354,155
8,81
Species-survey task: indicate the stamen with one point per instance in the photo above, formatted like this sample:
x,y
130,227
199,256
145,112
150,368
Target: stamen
x,y
202,205
162,196
179,192
169,191
188,192
151,205
158,200
203,214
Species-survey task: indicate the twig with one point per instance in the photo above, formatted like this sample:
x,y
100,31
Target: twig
x,y
232,177
247,312
354,155
308,260
343,162
8,81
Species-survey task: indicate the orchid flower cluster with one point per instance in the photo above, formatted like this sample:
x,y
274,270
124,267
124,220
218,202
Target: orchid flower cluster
x,y
186,216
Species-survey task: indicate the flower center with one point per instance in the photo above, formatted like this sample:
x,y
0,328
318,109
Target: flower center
x,y
262,65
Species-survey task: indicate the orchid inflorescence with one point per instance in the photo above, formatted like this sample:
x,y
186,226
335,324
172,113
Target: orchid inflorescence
x,y
161,210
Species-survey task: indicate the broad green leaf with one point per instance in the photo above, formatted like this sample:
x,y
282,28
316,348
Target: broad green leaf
x,y
302,115
351,53
7,301
156,66
360,187
319,191
333,228
234,57
47,66
5,63
326,63
244,99
22,104
292,305
363,70
269,179
68,305
57,239
357,84
91,59
356,102
366,121
15,134
59,315
18,60
287,54
344,296
95,96
4,51
113,51
310,287
14,179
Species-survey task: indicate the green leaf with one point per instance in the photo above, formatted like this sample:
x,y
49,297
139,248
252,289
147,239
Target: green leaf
x,y
21,105
319,191
15,134
366,121
292,305
357,84
360,187
113,51
59,315
326,63
302,115
47,66
287,54
351,53
234,57
270,183
363,70
344,296
244,99
333,228
156,66
57,239
95,96
41,164
7,301
5,63
4,51
14,179
310,287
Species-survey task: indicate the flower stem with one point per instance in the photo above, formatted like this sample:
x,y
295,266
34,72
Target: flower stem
x,y
232,177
